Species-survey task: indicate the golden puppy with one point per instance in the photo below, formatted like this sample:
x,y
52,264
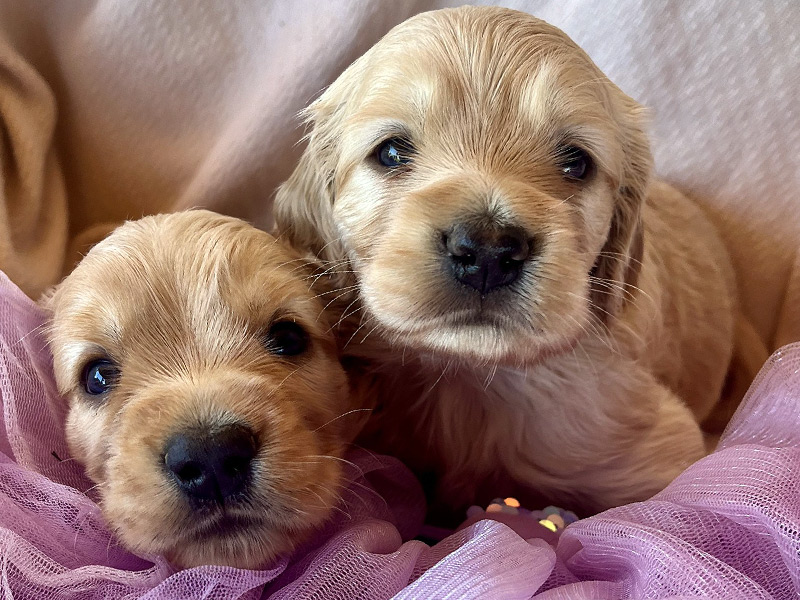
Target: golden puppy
x,y
560,322
204,389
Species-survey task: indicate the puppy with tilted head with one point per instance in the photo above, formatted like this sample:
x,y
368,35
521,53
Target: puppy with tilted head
x,y
204,389
545,318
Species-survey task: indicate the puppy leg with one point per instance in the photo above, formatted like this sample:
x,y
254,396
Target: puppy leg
x,y
653,457
612,435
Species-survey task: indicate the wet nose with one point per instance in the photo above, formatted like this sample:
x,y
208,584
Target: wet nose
x,y
211,464
486,258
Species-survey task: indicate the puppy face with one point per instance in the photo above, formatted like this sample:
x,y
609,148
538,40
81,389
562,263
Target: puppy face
x,y
203,388
483,178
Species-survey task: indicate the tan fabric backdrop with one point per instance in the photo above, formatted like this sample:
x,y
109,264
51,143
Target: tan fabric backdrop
x,y
115,108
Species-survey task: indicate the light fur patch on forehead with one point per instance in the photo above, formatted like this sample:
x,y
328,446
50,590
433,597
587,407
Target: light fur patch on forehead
x,y
407,86
395,104
567,103
541,96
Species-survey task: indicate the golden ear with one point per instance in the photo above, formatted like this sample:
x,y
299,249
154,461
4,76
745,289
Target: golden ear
x,y
304,206
304,203
616,272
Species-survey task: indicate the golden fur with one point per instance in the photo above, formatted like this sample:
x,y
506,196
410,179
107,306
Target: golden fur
x,y
182,304
585,381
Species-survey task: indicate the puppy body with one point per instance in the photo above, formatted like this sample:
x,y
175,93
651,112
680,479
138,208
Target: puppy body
x,y
180,311
599,424
481,142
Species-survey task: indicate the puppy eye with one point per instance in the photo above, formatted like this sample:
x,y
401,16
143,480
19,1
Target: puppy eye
x,y
574,162
394,152
99,376
287,338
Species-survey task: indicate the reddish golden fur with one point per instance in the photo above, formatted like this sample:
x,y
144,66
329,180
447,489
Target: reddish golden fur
x,y
587,385
181,303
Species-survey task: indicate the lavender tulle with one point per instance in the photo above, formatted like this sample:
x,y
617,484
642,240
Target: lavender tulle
x,y
728,527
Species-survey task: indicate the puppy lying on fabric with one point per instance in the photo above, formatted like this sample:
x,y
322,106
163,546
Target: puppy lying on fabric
x,y
204,389
555,322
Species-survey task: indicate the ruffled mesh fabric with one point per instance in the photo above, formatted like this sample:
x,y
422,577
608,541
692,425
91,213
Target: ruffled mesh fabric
x,y
728,527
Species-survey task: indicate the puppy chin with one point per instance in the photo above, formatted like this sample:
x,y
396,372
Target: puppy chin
x,y
488,345
239,542
476,336
255,548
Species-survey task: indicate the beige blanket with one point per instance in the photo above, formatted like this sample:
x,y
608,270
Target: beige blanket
x,y
111,109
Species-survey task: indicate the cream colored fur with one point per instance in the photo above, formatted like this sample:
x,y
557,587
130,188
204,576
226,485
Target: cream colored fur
x,y
182,305
585,386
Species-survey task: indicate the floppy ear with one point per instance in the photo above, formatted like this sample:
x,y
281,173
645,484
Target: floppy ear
x,y
304,203
616,271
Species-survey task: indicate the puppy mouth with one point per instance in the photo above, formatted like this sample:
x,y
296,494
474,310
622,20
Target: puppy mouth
x,y
224,538
222,524
462,310
463,322
481,316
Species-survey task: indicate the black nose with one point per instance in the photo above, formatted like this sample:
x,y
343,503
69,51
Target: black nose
x,y
211,464
486,258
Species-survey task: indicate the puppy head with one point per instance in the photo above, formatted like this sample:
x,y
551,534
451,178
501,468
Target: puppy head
x,y
484,180
203,387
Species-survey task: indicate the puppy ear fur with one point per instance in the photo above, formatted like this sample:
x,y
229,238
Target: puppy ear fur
x,y
616,272
304,203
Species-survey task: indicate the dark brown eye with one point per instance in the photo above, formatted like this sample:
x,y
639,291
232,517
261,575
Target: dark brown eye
x,y
99,376
574,163
394,152
287,338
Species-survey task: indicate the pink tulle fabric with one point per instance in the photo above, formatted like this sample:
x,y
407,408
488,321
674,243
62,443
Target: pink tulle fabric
x,y
728,527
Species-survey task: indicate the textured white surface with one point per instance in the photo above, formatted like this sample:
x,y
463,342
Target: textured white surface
x,y
172,104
